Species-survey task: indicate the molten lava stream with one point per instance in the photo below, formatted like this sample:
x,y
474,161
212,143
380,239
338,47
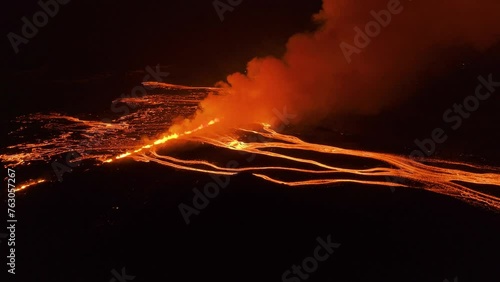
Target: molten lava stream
x,y
433,178
305,170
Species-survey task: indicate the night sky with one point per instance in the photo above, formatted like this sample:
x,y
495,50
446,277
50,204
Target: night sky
x,y
94,36
107,41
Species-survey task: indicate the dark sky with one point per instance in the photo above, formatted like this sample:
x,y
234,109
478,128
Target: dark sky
x,y
93,36
111,39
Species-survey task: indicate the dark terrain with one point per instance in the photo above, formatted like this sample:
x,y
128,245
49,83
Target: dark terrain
x,y
126,215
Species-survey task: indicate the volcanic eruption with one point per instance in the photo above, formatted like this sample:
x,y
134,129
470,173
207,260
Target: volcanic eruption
x,y
314,79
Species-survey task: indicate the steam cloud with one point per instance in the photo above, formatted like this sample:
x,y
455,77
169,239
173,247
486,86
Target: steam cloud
x,y
314,79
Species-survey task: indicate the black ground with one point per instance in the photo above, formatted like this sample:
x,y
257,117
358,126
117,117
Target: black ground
x,y
97,221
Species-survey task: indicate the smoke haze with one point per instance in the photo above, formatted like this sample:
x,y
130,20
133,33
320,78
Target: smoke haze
x,y
314,79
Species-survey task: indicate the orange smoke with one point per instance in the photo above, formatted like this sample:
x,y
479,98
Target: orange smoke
x,y
313,79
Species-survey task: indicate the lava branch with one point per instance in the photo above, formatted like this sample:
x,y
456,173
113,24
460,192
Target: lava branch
x,y
162,140
430,174
433,178
30,183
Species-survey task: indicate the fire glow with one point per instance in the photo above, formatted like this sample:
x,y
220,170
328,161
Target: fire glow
x,y
302,163
311,79
430,177
163,140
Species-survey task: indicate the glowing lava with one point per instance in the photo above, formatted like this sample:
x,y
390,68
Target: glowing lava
x,y
162,140
29,184
283,159
447,181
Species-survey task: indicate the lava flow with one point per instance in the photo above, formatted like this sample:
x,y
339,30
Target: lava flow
x,y
162,140
392,170
276,157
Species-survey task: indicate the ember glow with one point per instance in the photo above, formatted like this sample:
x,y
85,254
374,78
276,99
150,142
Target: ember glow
x,y
302,163
161,141
29,184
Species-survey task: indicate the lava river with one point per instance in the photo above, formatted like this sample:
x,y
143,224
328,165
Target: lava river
x,y
277,157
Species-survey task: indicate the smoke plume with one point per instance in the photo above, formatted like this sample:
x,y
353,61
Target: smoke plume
x,y
317,77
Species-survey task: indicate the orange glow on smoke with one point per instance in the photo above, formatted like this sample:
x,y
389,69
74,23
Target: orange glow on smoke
x,y
314,80
300,163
